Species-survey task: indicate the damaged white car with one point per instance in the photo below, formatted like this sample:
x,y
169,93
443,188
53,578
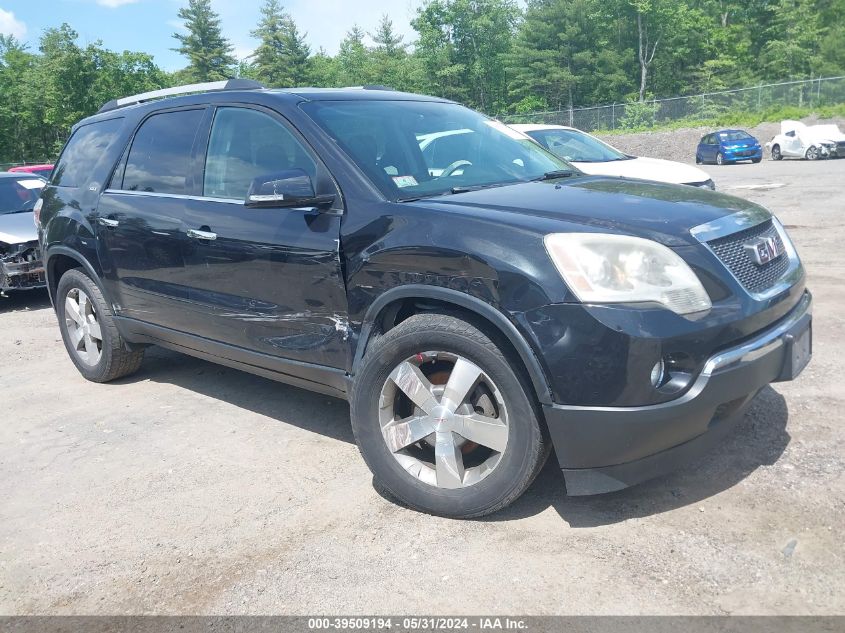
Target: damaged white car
x,y
20,257
797,140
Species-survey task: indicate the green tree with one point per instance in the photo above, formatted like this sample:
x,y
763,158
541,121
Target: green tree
x,y
389,57
353,59
22,135
462,48
282,56
563,55
324,72
209,53
795,38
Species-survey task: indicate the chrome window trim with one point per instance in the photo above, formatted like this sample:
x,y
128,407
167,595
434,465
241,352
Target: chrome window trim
x,y
730,224
175,196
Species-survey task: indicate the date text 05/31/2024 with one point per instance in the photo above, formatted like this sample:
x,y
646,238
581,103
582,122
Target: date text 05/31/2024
x,y
430,623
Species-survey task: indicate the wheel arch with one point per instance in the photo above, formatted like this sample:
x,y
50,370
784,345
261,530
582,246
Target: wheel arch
x,y
59,260
389,305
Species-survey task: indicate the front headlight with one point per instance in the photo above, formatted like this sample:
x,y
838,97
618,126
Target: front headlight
x,y
606,268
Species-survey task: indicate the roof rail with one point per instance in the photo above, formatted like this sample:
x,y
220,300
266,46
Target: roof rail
x,y
209,86
368,87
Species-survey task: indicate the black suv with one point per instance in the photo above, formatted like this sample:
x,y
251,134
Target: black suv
x,y
475,298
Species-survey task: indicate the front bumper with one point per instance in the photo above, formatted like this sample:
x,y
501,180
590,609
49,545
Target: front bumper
x,y
21,274
743,154
603,449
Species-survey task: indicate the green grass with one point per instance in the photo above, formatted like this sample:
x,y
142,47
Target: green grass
x,y
737,119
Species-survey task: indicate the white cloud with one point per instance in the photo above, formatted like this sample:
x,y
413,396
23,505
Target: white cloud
x,y
112,4
10,25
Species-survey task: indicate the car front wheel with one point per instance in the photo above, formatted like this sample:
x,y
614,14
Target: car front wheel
x,y
813,153
88,330
720,160
776,153
443,421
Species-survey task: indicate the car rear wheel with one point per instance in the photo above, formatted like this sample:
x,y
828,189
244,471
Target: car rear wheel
x,y
88,330
776,153
443,421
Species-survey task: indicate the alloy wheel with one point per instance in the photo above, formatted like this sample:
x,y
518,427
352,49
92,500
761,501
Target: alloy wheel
x,y
83,328
443,419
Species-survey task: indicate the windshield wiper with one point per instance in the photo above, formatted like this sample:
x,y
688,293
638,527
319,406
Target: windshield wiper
x,y
467,188
455,190
551,175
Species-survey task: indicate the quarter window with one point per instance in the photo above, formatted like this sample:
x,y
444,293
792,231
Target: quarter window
x,y
160,158
246,144
83,150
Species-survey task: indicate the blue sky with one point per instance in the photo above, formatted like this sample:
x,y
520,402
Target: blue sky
x,y
147,25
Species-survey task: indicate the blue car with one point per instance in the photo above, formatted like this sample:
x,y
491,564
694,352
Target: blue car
x,y
728,146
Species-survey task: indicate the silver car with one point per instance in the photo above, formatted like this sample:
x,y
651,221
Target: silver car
x,y
20,259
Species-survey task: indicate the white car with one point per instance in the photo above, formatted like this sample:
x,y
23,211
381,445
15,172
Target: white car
x,y
595,157
797,140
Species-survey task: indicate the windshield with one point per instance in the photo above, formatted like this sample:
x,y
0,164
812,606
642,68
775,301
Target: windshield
x,y
19,194
734,136
411,149
575,146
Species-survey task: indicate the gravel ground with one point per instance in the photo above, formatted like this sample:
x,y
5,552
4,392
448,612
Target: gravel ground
x,y
195,489
681,144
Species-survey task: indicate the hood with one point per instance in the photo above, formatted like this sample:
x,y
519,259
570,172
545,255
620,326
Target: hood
x,y
647,169
17,228
822,133
660,212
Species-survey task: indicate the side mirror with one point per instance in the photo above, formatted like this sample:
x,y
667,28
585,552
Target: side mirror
x,y
290,188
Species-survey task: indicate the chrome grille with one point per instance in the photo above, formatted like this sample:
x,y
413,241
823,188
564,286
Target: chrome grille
x,y
731,250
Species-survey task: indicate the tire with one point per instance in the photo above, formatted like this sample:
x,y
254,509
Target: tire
x,y
776,153
97,359
756,160
720,160
424,341
698,160
812,153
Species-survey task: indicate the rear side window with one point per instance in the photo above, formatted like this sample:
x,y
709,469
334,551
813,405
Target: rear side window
x,y
85,147
246,144
160,158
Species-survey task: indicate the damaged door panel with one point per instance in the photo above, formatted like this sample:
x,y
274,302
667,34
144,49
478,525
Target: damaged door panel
x,y
262,274
281,294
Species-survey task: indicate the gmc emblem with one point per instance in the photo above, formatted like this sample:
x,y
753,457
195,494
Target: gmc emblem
x,y
764,250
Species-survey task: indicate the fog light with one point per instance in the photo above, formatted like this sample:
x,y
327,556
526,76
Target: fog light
x,y
657,373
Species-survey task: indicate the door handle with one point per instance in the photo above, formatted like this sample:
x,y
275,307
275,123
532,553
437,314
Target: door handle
x,y
108,222
202,235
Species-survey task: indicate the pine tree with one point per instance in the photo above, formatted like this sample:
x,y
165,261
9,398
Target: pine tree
x,y
209,53
353,58
282,56
297,53
387,40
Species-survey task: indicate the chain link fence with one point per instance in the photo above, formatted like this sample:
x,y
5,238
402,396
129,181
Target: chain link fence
x,y
808,93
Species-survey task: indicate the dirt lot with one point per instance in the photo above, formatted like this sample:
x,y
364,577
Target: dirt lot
x,y
191,488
